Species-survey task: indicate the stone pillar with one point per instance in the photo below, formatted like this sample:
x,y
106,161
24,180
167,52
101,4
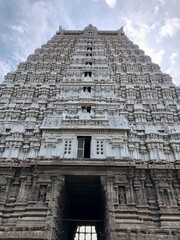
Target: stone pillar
x,y
59,147
159,197
32,150
14,189
116,199
161,152
9,181
138,191
130,177
34,196
108,148
55,198
108,185
137,154
175,150
20,197
171,192
151,151
142,151
15,150
142,181
93,147
42,149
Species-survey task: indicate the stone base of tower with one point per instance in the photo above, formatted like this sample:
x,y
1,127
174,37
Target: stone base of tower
x,y
20,233
127,200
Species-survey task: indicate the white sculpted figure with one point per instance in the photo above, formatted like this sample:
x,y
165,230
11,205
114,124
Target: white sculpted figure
x,y
84,114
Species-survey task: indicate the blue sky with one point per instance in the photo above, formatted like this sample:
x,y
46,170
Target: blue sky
x,y
154,25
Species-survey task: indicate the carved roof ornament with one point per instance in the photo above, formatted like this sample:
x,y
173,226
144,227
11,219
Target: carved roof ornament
x,y
61,30
90,30
121,31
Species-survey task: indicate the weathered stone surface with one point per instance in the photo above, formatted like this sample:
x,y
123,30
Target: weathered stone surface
x,y
89,104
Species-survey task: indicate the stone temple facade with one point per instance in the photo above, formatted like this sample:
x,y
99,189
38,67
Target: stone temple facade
x,y
90,143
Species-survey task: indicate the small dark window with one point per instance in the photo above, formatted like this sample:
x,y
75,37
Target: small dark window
x,y
87,89
88,74
29,130
88,54
140,131
89,63
87,109
161,131
89,48
84,147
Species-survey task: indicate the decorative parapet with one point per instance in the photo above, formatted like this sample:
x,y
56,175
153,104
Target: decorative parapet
x,y
85,121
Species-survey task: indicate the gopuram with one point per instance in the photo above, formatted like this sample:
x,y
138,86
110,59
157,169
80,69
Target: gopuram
x,y
89,143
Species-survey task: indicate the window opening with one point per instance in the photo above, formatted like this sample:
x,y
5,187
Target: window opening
x,y
84,147
67,147
88,54
86,109
29,130
87,89
140,131
89,48
86,233
100,147
89,63
161,131
88,74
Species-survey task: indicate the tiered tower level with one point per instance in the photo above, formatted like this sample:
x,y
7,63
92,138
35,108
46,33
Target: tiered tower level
x,y
90,142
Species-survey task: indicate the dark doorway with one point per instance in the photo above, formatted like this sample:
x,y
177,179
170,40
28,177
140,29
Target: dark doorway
x,y
85,209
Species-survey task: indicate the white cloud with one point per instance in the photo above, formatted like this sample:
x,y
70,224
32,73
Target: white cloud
x,y
38,23
138,31
4,67
162,2
155,55
156,9
173,69
18,28
170,28
111,3
173,57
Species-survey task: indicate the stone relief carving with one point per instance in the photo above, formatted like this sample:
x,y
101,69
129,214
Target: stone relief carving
x,y
122,195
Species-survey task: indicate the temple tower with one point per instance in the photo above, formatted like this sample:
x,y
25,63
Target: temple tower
x,y
90,143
